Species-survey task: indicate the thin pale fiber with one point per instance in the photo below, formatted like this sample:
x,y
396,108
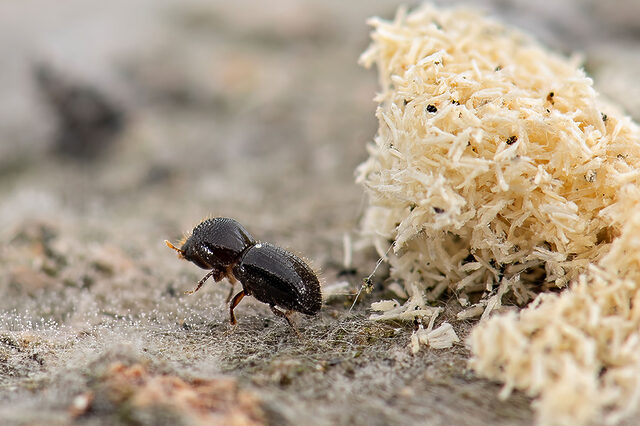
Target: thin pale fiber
x,y
497,173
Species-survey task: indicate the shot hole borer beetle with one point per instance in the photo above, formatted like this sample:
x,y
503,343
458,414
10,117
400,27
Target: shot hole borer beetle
x,y
269,273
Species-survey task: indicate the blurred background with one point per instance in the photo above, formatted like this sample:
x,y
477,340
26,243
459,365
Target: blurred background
x,y
123,123
177,109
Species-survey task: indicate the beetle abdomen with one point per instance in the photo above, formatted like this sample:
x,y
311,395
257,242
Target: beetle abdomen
x,y
277,277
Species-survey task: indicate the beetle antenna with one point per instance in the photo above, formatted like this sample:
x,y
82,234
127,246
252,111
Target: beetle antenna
x,y
171,246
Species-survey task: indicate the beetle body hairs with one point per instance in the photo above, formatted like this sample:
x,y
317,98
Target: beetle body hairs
x,y
267,272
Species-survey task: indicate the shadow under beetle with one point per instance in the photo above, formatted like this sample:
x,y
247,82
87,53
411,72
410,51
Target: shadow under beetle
x,y
269,273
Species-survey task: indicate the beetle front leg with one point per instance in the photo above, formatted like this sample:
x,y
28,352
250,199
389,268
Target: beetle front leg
x,y
217,276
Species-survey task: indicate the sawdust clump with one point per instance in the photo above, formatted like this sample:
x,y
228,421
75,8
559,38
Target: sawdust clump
x,y
498,173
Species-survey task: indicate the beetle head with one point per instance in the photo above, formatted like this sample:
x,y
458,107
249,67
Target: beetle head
x,y
192,252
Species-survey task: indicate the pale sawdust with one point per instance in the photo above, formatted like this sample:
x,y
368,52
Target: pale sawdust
x,y
498,172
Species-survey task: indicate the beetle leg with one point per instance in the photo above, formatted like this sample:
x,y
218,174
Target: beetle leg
x,y
286,316
201,282
230,294
217,276
229,274
232,280
236,299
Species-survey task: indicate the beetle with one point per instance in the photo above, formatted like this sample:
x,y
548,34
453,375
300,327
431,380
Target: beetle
x,y
267,272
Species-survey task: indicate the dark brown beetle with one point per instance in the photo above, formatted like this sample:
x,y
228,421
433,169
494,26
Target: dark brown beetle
x,y
269,273
215,244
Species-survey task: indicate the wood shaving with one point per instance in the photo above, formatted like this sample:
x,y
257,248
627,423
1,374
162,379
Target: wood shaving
x,y
494,172
442,337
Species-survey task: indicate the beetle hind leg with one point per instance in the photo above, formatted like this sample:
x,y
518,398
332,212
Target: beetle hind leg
x,y
287,316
